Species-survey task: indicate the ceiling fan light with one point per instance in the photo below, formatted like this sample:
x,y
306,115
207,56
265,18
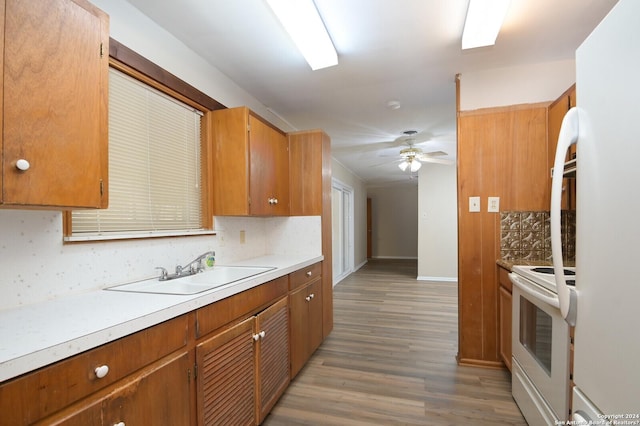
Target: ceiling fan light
x,y
403,166
415,165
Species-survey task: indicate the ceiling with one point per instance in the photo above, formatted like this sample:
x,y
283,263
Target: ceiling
x,y
389,50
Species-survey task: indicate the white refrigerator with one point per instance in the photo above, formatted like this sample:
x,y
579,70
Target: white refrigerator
x,y
605,303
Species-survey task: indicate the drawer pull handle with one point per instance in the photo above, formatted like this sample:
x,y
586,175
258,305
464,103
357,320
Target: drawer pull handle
x,y
308,273
102,371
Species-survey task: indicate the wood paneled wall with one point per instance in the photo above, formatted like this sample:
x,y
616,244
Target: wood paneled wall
x,y
502,152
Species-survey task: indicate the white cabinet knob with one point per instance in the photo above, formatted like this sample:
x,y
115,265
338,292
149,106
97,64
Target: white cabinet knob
x,y
22,165
101,371
308,298
262,334
312,295
119,424
308,273
256,337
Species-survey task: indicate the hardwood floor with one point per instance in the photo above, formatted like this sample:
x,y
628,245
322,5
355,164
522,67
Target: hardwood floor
x,y
390,360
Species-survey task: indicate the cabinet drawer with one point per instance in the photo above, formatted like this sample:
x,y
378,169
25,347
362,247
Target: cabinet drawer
x,y
47,390
223,312
305,275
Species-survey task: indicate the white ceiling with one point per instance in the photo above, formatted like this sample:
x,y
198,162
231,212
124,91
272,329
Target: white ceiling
x,y
404,50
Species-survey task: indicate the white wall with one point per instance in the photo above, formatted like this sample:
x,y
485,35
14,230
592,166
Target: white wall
x,y
345,176
437,223
139,33
37,266
524,84
395,221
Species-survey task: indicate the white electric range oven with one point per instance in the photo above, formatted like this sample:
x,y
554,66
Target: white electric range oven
x,y
540,346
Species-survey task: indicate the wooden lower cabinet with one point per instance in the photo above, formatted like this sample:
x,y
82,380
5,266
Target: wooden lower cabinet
x,y
505,318
225,363
159,395
243,370
306,323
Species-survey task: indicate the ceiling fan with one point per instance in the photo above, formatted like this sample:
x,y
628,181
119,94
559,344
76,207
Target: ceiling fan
x,y
413,157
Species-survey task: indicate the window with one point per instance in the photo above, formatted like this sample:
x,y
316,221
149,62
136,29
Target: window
x,y
155,163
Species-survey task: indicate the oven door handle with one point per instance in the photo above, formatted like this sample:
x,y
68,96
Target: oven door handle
x,y
535,291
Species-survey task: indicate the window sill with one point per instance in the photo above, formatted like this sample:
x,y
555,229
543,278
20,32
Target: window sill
x,y
136,235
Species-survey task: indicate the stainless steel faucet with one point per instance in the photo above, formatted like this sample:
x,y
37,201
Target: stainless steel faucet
x,y
191,268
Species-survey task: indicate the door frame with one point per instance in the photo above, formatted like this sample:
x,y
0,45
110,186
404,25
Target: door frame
x,y
348,226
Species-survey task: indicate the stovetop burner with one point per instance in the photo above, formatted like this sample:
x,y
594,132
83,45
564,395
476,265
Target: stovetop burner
x,y
546,270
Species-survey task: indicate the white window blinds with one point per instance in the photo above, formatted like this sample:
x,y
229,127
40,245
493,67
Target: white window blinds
x,y
154,165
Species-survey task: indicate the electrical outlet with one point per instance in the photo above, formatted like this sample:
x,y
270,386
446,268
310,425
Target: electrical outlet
x,y
474,204
493,204
243,237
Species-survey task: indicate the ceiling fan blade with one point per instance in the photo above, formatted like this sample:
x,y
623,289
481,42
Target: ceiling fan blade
x,y
437,160
430,154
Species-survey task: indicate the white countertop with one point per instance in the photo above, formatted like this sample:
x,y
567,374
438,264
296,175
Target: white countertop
x,y
37,335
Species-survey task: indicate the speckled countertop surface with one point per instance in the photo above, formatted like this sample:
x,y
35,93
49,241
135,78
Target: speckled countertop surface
x,y
36,335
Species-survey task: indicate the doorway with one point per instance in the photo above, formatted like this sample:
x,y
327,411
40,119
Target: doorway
x,y
342,230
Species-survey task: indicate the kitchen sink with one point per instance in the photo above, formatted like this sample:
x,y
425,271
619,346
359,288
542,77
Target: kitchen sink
x,y
197,283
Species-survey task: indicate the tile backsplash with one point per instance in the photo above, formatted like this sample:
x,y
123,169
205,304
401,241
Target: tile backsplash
x,y
525,235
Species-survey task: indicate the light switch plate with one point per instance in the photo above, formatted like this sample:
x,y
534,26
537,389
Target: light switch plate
x,y
474,204
493,204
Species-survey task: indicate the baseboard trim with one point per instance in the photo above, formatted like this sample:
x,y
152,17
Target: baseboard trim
x,y
395,257
438,279
481,363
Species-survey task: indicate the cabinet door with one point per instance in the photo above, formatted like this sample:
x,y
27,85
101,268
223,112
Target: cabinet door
x,y
269,169
504,305
230,146
273,355
315,315
299,317
305,173
55,104
88,414
306,323
226,377
159,396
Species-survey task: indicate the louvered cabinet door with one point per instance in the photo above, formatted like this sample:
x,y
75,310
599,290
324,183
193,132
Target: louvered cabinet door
x,y
226,377
273,355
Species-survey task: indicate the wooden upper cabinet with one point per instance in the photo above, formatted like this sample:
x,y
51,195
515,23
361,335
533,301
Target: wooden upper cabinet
x,y
306,170
269,171
55,104
250,165
555,114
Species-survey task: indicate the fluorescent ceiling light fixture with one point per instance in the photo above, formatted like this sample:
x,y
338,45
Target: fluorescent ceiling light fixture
x,y
303,23
483,22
